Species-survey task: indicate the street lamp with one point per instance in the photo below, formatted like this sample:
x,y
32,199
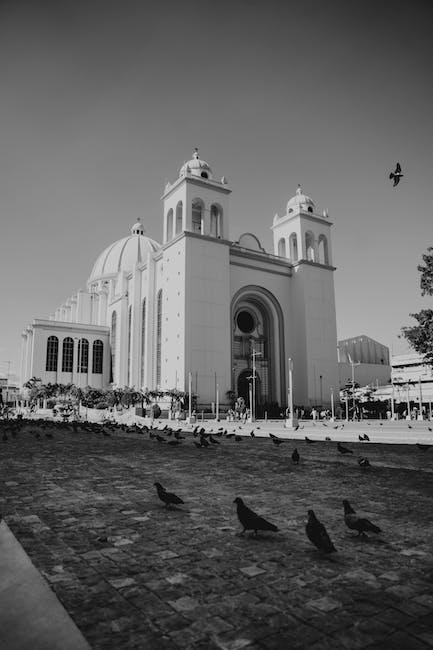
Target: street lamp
x,y
254,354
353,364
332,404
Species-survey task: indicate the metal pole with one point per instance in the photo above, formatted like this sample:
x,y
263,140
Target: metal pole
x,y
392,400
291,388
347,407
353,389
217,402
332,403
254,387
189,394
408,402
420,398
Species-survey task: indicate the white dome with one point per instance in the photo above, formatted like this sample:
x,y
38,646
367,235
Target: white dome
x,y
124,254
196,167
300,201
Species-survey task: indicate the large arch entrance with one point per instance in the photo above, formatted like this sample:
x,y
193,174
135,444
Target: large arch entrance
x,y
258,342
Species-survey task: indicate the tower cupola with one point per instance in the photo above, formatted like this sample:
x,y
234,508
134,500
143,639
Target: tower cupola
x,y
196,167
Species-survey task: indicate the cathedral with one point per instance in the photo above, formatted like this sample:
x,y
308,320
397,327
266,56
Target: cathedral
x,y
200,310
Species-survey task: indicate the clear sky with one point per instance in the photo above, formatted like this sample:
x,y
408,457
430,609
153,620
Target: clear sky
x,y
102,101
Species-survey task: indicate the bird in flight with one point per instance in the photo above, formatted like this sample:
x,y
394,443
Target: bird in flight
x,y
396,175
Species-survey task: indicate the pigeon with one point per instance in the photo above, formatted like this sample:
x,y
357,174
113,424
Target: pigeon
x,y
381,424
343,450
250,520
396,175
174,443
213,441
317,534
178,436
361,438
295,456
167,497
197,444
160,438
277,441
363,462
409,426
203,442
252,434
238,438
296,428
423,447
309,440
324,424
328,439
429,428
354,522
366,438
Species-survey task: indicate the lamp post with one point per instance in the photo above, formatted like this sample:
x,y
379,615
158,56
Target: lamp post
x,y
189,397
353,364
217,407
254,354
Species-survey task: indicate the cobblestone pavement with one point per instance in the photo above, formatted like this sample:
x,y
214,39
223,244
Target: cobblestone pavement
x,y
185,579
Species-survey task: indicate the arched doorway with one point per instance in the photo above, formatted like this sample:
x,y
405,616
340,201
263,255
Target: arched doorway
x,y
258,331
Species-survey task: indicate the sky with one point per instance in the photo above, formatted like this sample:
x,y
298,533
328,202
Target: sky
x,y
103,100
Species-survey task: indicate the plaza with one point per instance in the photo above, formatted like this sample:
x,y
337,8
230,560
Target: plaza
x,y
131,574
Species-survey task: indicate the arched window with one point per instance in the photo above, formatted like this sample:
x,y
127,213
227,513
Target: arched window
x,y
128,373
282,247
323,250
310,209
197,216
113,343
52,354
143,341
309,246
67,354
83,356
169,225
97,357
293,242
179,218
204,175
215,221
158,336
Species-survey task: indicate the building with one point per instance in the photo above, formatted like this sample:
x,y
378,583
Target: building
x,y
200,307
412,378
366,358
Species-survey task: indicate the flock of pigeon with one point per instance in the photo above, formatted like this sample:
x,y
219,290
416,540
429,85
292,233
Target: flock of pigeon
x,y
315,530
250,521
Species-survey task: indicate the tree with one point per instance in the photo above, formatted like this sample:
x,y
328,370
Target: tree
x,y
420,337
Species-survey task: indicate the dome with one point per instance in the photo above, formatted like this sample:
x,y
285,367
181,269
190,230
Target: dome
x,y
300,202
196,167
124,254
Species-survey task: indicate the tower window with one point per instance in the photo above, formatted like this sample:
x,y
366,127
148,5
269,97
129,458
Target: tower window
x,y
204,175
97,357
310,209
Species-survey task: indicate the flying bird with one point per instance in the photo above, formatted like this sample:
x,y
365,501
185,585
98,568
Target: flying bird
x,y
167,497
396,175
295,456
250,520
343,450
354,522
317,534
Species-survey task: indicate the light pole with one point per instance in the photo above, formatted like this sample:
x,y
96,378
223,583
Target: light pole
x,y
254,354
420,416
353,364
292,421
408,402
217,407
189,397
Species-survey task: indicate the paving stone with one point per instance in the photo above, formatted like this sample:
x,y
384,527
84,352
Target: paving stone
x,y
324,604
166,555
184,604
118,583
252,571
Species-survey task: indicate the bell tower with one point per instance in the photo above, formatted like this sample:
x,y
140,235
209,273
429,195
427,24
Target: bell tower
x,y
196,202
303,233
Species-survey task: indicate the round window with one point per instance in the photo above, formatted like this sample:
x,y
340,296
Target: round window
x,y
245,322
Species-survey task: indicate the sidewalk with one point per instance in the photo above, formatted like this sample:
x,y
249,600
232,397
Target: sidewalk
x,y
31,617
